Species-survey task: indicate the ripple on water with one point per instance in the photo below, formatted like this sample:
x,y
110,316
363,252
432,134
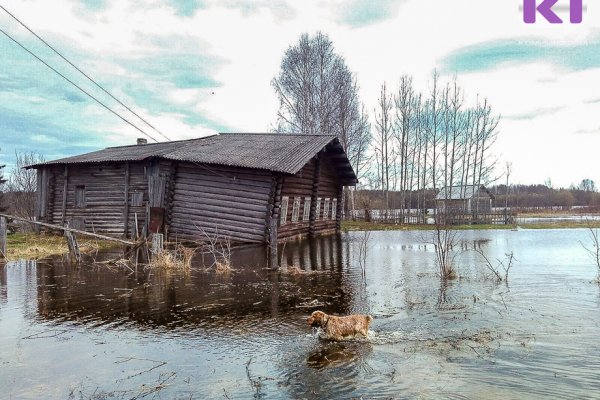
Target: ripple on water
x,y
244,334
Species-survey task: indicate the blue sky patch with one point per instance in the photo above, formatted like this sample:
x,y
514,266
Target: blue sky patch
x,y
186,8
493,54
358,13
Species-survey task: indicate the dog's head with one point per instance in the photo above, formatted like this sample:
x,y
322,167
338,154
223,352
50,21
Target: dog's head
x,y
317,319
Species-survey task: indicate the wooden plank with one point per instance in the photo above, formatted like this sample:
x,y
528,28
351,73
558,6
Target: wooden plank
x,y
64,193
314,196
199,197
195,176
258,196
157,243
234,220
229,205
192,233
215,206
126,201
182,224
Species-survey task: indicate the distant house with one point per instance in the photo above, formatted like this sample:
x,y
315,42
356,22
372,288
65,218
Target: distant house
x,y
256,188
469,199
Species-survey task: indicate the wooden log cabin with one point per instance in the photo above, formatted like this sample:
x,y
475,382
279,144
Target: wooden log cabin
x,y
254,188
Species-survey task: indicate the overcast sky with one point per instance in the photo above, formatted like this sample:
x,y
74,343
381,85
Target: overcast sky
x,y
193,68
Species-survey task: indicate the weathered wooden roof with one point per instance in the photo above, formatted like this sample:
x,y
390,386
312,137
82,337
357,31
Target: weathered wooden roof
x,y
286,153
461,192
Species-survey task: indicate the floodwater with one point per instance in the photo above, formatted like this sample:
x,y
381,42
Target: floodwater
x,y
90,332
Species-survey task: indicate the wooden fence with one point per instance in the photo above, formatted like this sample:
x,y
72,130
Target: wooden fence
x,y
417,217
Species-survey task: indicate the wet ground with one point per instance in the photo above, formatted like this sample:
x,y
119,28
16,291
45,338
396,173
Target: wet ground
x,y
91,332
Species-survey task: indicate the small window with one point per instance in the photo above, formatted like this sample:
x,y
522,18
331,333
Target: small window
x,y
334,209
306,215
296,209
137,199
318,208
284,209
80,196
326,208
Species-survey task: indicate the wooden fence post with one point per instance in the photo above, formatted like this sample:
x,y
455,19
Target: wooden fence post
x,y
74,253
2,238
157,243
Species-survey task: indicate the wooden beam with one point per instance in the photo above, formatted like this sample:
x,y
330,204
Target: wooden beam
x,y
64,199
64,228
340,208
274,222
40,201
126,201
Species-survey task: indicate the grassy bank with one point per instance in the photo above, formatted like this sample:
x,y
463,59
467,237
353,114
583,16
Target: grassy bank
x,y
30,246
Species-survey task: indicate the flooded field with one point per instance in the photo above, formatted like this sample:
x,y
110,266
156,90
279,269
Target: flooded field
x,y
91,332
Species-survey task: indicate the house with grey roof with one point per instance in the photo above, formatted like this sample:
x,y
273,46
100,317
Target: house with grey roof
x,y
467,199
255,188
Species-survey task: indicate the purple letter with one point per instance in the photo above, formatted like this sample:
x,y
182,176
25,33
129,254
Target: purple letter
x,y
545,8
576,11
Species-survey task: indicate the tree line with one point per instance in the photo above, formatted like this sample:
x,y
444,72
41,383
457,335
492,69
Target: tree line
x,y
420,141
520,197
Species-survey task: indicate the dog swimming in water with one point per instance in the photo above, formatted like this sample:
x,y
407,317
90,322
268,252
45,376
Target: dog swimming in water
x,y
340,328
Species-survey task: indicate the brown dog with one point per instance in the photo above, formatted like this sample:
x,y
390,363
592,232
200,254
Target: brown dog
x,y
338,328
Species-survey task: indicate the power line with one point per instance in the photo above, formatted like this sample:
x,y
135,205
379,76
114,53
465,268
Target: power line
x,y
97,84
77,86
83,73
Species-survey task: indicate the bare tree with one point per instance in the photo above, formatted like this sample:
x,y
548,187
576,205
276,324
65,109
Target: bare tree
x,y
403,131
318,94
593,249
22,184
383,142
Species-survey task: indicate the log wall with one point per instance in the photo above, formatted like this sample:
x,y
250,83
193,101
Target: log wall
x,y
239,203
234,202
311,179
101,187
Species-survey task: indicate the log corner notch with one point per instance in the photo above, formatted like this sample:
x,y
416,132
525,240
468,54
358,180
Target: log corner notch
x,y
273,211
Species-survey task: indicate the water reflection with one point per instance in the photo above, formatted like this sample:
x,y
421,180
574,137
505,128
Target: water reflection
x,y
158,298
89,331
336,354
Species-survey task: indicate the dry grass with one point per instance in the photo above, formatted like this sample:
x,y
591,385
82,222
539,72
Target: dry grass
x,y
31,246
180,258
223,267
294,271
